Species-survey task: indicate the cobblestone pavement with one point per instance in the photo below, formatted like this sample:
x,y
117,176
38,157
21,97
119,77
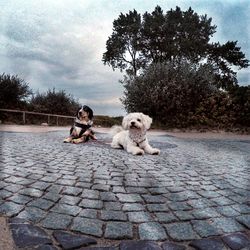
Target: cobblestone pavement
x,y
194,195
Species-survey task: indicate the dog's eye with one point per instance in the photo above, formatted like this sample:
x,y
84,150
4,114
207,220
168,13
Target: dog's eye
x,y
139,120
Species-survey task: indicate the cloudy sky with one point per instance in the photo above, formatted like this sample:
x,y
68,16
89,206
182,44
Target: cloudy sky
x,y
60,43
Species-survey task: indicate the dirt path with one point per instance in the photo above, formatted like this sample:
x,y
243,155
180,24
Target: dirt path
x,y
6,242
30,128
178,134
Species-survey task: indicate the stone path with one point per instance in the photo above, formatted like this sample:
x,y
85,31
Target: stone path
x,y
194,195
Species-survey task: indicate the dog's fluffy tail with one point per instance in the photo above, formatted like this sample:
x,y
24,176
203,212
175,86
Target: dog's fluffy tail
x,y
115,130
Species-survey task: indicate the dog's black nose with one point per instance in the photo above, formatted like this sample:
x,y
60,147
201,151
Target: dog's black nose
x,y
80,112
132,123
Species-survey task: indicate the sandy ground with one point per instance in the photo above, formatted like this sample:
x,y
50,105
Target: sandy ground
x,y
194,135
6,242
30,128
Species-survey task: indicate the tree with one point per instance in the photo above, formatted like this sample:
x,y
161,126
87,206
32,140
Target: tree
x,y
168,92
175,35
175,72
222,57
123,50
14,92
54,102
215,111
172,37
240,96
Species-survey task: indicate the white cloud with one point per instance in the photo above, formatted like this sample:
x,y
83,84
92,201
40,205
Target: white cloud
x,y
114,101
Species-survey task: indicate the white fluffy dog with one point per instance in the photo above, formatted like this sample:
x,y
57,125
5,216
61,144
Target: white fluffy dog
x,y
132,135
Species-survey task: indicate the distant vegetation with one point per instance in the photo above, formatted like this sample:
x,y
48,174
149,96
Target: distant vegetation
x,y
16,94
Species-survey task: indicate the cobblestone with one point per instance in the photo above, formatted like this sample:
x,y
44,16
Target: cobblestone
x,y
133,207
71,241
236,240
88,226
205,244
244,219
139,216
227,225
195,194
110,215
205,213
205,229
56,221
26,235
32,214
181,231
152,231
10,208
119,230
133,245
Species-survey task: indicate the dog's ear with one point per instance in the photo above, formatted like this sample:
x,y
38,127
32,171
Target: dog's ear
x,y
125,123
147,121
89,111
77,113
90,114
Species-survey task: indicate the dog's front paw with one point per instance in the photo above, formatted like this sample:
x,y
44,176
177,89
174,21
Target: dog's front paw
x,y
67,140
155,151
138,152
76,141
80,140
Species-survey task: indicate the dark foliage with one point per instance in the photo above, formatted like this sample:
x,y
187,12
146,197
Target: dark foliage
x,y
54,102
123,47
184,95
240,97
168,92
175,36
14,92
